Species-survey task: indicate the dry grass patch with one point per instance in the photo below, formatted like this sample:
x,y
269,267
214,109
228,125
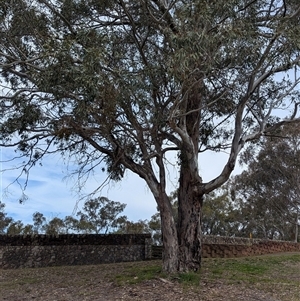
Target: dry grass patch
x,y
264,278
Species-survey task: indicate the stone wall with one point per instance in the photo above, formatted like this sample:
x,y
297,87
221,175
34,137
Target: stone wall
x,y
218,246
221,246
72,249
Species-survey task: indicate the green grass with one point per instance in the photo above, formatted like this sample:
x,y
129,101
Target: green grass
x,y
189,279
269,269
238,269
271,274
135,274
251,269
25,281
22,281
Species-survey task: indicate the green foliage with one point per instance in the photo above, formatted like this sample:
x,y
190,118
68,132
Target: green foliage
x,y
28,230
100,215
122,83
128,227
220,214
97,216
71,224
39,221
116,89
267,192
15,228
55,226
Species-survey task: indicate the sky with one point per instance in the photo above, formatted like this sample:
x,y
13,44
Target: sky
x,y
50,191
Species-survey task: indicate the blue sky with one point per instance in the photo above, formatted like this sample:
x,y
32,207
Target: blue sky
x,y
52,193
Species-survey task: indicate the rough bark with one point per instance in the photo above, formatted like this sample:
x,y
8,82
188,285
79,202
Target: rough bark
x,y
190,193
296,226
189,223
169,234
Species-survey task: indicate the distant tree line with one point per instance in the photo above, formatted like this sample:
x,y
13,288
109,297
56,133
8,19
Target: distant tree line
x,y
99,215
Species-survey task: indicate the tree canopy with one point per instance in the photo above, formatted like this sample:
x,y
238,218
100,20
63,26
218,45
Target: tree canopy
x,y
101,215
268,191
123,83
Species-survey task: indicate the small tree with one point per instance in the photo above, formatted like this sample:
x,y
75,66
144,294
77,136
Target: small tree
x,y
39,221
15,228
129,227
28,230
71,224
100,215
55,226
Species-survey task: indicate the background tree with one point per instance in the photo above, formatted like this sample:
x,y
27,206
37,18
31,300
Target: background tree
x,y
269,190
101,215
123,83
28,230
71,224
15,228
4,219
39,221
220,214
155,228
55,226
129,227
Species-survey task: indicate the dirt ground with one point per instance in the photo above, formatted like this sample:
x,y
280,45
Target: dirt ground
x,y
97,282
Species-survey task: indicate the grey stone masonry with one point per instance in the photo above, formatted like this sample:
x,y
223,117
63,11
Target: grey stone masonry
x,y
72,249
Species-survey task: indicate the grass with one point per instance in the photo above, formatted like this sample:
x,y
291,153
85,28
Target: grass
x,y
19,281
253,269
269,273
248,269
240,269
134,274
277,275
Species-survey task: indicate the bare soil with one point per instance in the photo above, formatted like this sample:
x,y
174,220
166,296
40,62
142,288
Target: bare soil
x,y
98,282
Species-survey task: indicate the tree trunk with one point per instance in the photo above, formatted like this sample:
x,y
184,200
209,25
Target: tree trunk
x,y
296,227
169,235
190,194
189,223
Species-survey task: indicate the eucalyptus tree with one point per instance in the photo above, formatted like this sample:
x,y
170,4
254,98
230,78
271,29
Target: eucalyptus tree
x,y
55,226
123,83
71,224
269,190
130,227
220,214
39,222
15,228
101,215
